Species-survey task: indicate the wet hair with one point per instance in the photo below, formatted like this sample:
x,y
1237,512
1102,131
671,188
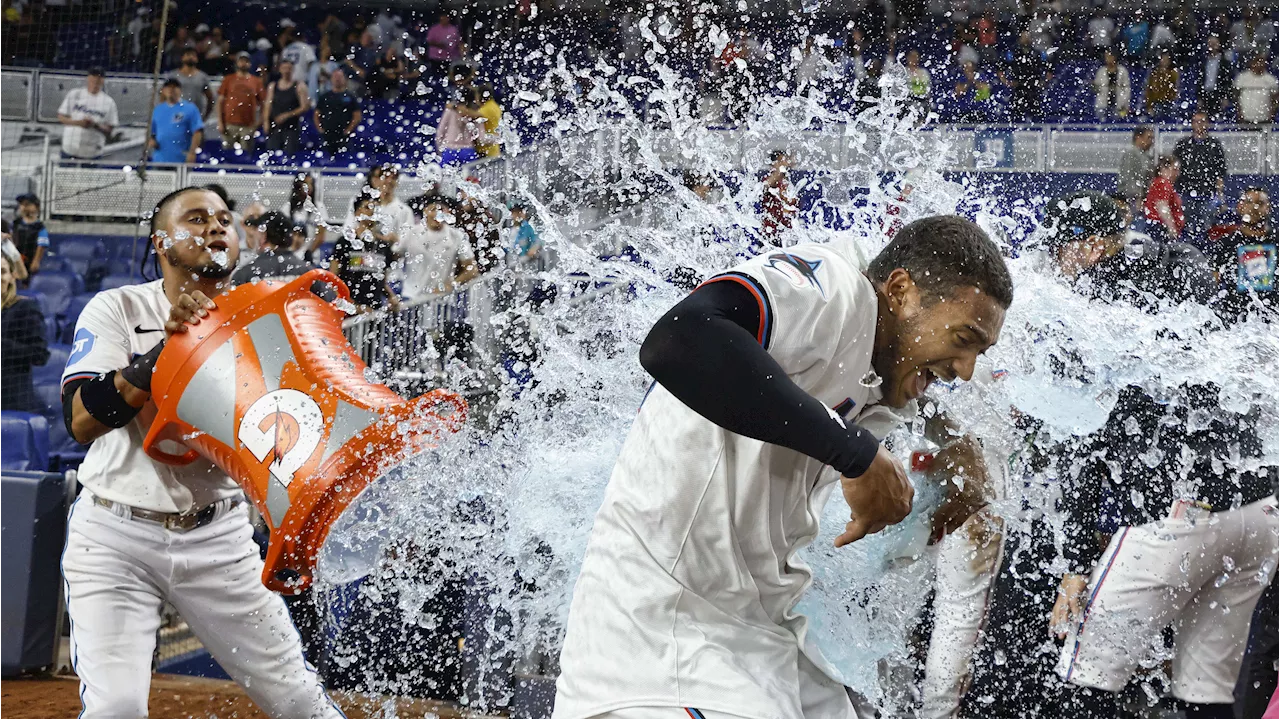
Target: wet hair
x,y
943,254
385,168
1141,130
276,229
366,194
1164,162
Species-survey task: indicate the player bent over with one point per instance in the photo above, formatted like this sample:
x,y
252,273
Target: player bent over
x,y
143,533
775,382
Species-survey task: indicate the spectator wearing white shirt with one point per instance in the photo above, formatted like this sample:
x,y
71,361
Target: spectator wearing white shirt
x,y
297,51
394,215
89,116
437,256
1113,88
1102,30
1257,92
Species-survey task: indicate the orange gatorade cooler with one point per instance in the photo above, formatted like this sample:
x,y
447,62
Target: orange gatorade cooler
x,y
268,389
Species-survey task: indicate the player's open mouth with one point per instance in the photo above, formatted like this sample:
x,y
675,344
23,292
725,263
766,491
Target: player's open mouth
x,y
922,379
216,245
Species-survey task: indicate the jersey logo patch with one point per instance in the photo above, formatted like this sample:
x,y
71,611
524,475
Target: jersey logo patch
x,y
798,271
81,345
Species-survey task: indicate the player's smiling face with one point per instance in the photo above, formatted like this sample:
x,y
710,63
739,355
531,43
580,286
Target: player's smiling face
x,y
936,340
194,236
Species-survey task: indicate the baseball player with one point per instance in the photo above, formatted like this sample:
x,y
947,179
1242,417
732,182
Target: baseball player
x,y
775,382
143,533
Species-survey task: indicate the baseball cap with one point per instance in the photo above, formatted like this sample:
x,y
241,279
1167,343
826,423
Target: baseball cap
x,y
288,22
1081,214
97,71
28,197
243,54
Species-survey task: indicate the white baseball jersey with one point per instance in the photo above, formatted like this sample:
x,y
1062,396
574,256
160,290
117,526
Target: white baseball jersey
x,y
116,326
687,591
80,104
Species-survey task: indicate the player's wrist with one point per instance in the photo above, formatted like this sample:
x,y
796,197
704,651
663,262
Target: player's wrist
x,y
138,372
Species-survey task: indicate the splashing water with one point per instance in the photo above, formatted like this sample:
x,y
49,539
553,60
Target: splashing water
x,y
508,507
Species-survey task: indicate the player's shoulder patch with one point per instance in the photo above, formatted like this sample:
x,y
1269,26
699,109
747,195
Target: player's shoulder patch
x,y
799,270
81,345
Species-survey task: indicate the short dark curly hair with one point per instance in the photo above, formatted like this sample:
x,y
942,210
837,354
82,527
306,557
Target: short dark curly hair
x,y
943,254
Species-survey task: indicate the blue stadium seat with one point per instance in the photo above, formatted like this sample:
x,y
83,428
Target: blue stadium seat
x,y
67,328
119,266
57,288
111,282
51,371
64,451
78,247
24,441
56,263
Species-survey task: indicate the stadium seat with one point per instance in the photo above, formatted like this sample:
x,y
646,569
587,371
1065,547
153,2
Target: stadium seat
x,y
110,282
51,372
64,452
57,289
77,247
56,263
121,266
67,327
24,441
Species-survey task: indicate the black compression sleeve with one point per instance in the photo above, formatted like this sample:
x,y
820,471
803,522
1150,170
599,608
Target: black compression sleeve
x,y
103,402
704,351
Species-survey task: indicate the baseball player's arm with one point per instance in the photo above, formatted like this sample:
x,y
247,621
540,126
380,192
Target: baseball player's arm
x,y
96,404
703,353
960,465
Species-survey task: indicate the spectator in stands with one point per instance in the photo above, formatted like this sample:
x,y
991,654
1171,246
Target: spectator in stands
x,y
1137,167
779,204
1102,30
1161,92
194,83
1162,37
177,46
1112,85
262,56
297,51
526,245
10,251
275,259
363,258
362,59
491,112
215,51
987,31
920,84
177,129
25,346
333,33
1202,175
456,135
287,101
1215,79
240,103
1253,33
444,43
1242,247
337,114
1163,206
383,82
390,212
437,254
809,64
319,77
1028,75
1136,35
1257,92
29,234
90,116
1043,27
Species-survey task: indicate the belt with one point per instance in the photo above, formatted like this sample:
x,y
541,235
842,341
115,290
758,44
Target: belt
x,y
175,521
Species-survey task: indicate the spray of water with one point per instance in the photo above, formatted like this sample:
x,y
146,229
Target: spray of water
x,y
507,507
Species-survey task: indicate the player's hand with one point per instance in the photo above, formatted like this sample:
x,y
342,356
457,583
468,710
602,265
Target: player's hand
x,y
880,497
187,312
1067,607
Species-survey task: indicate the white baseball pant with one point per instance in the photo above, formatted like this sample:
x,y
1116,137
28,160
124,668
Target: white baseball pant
x,y
962,588
1203,575
119,572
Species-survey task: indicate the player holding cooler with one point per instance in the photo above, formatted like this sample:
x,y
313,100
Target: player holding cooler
x,y
143,533
775,382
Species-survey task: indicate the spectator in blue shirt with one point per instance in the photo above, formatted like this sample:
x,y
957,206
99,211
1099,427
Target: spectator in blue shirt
x,y
176,127
527,245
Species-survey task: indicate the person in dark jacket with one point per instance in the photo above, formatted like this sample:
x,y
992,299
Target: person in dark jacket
x,y
276,260
25,345
1202,177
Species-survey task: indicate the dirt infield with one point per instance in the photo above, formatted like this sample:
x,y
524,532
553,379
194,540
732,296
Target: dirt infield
x,y
177,697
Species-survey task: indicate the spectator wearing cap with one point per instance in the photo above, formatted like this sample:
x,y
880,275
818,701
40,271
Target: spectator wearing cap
x,y
276,259
337,113
29,233
177,129
240,104
297,51
287,101
194,82
89,116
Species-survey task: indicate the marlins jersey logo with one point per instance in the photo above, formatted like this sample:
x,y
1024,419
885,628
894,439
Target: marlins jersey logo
x,y
798,271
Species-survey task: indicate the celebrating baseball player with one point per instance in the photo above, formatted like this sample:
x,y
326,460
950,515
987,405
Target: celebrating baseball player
x,y
775,382
143,533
